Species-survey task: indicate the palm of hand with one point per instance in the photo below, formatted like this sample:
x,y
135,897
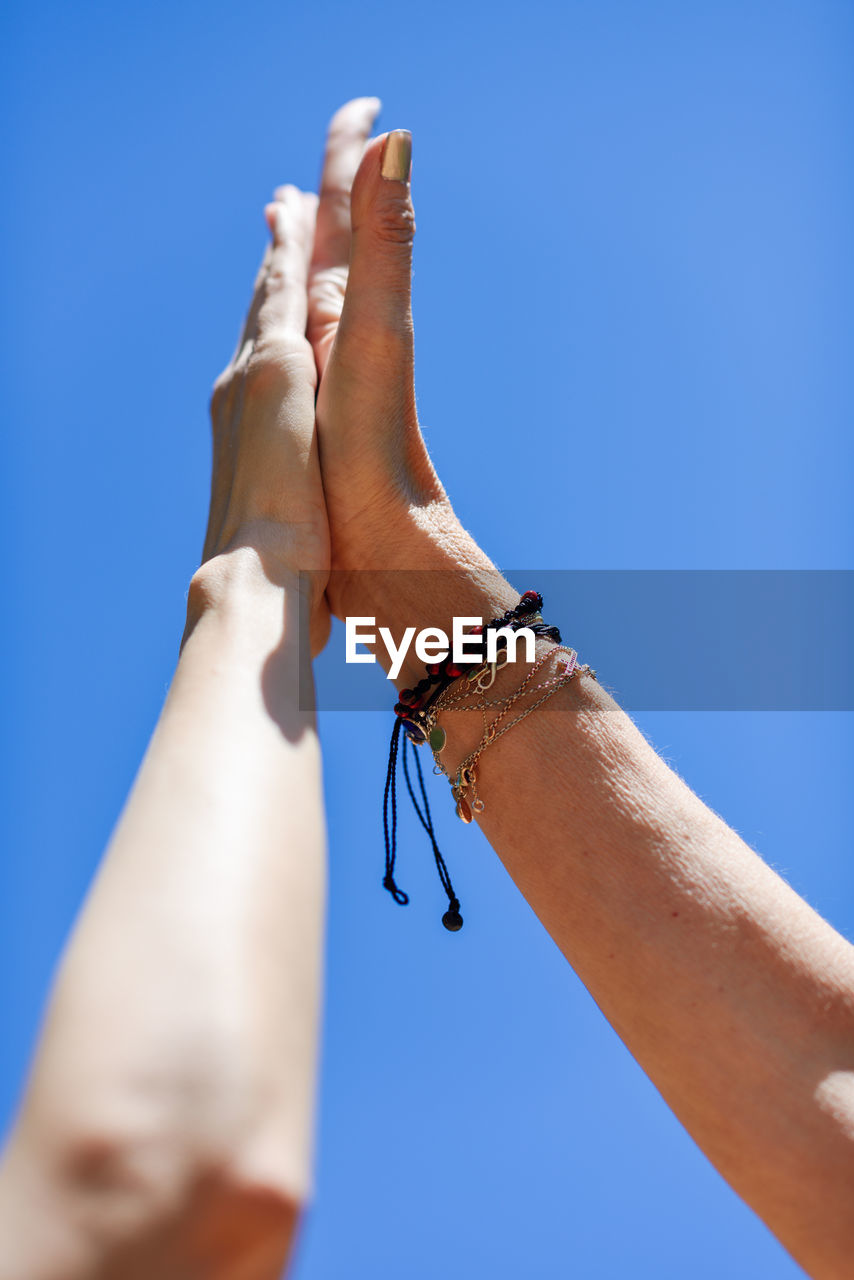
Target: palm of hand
x,y
332,302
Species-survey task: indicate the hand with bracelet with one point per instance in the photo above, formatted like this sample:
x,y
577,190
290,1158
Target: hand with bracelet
x,y
179,1144
729,990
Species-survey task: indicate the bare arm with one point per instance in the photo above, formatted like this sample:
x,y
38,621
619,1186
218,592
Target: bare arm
x,y
166,1127
733,995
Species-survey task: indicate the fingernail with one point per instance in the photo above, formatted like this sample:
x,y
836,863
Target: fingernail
x,y
397,156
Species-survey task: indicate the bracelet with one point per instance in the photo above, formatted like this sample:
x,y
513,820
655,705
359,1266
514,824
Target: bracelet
x,y
443,689
414,704
479,681
465,780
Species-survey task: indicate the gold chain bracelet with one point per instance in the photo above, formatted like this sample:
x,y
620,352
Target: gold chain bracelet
x,y
464,786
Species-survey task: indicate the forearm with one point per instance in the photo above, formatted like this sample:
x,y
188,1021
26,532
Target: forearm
x,y
179,1049
735,997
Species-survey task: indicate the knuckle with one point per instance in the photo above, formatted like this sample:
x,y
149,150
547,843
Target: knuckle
x,y
394,222
335,196
281,276
326,290
279,362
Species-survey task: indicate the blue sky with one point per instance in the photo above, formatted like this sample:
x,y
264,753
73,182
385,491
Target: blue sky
x,y
633,296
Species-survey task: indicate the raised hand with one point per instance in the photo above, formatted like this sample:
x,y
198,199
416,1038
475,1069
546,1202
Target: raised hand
x,y
166,1128
387,508
266,490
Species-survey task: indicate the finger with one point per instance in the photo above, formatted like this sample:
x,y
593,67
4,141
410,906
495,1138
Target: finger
x,y
377,304
349,130
282,310
249,324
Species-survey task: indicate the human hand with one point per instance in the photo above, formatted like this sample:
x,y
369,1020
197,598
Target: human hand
x,y
387,508
266,490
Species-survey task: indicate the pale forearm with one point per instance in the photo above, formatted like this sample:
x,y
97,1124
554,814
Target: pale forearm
x,y
181,1038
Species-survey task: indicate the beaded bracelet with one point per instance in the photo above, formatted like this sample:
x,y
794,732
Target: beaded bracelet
x,y
414,704
416,714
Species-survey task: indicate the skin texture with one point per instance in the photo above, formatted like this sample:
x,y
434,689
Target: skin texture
x,y
733,995
166,1126
167,1123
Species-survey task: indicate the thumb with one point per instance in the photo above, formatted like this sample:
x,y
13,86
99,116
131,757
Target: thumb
x,y
377,310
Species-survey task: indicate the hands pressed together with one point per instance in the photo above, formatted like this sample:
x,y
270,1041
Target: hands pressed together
x,y
319,463
166,1127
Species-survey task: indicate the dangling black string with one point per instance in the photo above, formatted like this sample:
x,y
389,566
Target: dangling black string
x,y
412,709
390,829
452,920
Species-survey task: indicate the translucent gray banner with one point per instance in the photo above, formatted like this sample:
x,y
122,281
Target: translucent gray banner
x,y
660,640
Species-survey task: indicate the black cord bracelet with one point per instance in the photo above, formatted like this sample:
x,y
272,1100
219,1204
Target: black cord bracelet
x,y
412,711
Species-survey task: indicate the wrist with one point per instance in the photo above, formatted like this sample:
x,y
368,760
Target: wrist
x,y
264,552
436,572
248,585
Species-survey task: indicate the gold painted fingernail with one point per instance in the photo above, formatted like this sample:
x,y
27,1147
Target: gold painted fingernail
x,y
397,156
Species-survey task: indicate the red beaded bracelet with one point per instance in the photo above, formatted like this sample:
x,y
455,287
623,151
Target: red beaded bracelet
x,y
413,704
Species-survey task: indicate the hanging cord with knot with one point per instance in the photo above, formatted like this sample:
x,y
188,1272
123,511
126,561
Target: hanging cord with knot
x,y
390,828
452,920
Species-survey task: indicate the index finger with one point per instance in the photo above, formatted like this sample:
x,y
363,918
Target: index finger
x,y
349,130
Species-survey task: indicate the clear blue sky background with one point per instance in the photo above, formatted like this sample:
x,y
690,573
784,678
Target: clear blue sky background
x,y
633,298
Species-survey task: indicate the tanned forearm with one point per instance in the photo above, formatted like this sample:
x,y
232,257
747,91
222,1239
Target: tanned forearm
x,y
734,996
